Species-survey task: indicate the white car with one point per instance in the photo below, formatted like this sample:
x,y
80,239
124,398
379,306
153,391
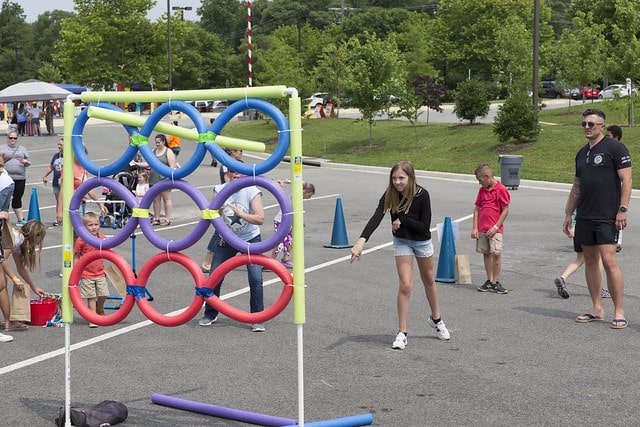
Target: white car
x,y
315,99
611,91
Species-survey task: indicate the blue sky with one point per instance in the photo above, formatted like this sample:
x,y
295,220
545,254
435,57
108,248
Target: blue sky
x,y
33,8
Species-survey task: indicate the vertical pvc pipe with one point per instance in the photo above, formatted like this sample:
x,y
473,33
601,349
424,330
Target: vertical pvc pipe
x,y
299,316
67,228
249,47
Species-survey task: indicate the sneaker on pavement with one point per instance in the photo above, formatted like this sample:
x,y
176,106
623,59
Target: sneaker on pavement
x,y
205,268
561,285
206,321
21,222
287,263
400,342
441,329
257,327
605,294
486,287
5,337
499,289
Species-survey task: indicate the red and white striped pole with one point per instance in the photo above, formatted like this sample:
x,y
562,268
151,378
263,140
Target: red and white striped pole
x,y
249,34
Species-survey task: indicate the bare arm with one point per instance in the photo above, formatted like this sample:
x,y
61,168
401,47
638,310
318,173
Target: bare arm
x,y
570,206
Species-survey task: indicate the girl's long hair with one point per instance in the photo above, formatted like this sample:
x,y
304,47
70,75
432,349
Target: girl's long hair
x,y
34,232
394,200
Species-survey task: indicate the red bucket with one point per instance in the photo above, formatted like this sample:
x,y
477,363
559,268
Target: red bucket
x,y
43,310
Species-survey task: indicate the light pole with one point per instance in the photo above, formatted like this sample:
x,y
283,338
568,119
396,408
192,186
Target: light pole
x,y
169,9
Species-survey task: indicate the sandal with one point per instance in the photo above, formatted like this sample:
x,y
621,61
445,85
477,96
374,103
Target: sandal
x,y
165,222
155,222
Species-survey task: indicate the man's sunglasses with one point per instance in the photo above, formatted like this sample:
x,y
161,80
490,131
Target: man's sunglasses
x,y
590,125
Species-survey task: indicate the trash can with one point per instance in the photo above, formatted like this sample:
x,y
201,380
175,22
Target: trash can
x,y
510,170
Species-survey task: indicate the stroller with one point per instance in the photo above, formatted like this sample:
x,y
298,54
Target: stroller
x,y
118,211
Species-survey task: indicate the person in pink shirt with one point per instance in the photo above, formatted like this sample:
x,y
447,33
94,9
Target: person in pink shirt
x,y
491,210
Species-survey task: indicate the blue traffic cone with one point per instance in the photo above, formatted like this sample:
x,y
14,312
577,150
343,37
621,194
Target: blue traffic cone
x,y
447,262
34,206
339,238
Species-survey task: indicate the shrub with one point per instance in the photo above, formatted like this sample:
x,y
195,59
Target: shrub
x,y
471,100
516,121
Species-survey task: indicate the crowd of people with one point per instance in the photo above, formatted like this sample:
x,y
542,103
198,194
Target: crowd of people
x,y
26,118
595,215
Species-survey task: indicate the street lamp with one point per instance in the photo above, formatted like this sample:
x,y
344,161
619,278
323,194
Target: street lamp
x,y
169,9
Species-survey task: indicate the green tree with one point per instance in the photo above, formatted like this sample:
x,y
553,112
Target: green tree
x,y
225,18
516,120
582,51
376,72
107,42
471,100
49,73
416,46
332,71
16,44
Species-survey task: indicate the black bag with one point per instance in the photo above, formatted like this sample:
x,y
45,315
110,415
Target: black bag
x,y
105,413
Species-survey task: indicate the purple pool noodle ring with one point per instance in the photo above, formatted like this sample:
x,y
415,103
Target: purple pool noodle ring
x,y
190,239
230,237
76,219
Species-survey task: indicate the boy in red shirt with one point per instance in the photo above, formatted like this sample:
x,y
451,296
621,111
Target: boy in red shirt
x,y
93,284
492,208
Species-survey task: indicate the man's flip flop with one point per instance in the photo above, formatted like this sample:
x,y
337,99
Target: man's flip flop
x,y
17,328
619,324
586,318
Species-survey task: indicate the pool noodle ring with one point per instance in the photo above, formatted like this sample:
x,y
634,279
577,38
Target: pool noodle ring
x,y
190,239
83,158
74,289
143,276
230,237
194,161
283,137
243,316
76,219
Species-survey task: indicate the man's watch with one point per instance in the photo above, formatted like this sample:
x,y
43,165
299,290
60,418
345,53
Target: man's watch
x,y
623,209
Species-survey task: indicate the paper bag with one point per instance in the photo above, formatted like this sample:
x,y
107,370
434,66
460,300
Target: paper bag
x,y
7,235
463,270
117,279
20,304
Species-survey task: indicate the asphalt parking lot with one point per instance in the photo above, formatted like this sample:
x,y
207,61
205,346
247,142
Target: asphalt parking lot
x,y
516,359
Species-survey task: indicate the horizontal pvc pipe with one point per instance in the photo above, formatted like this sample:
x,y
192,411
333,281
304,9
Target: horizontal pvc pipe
x,y
185,95
219,411
353,421
189,134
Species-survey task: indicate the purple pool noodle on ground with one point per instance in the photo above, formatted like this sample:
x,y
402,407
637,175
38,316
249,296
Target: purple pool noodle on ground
x,y
352,421
221,412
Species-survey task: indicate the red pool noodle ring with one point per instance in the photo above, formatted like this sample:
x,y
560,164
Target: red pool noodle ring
x,y
143,277
242,315
74,287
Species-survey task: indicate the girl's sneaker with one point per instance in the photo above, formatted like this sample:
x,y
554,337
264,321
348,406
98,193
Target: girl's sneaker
x,y
441,329
287,263
400,342
605,294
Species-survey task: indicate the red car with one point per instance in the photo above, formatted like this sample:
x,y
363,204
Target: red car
x,y
585,92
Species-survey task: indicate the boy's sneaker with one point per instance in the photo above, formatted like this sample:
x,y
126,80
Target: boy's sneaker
x,y
561,285
5,337
604,294
441,329
499,289
257,327
400,342
206,321
486,287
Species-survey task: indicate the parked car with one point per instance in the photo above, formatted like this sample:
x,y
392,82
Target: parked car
x,y
551,89
315,99
585,93
218,105
202,106
612,91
